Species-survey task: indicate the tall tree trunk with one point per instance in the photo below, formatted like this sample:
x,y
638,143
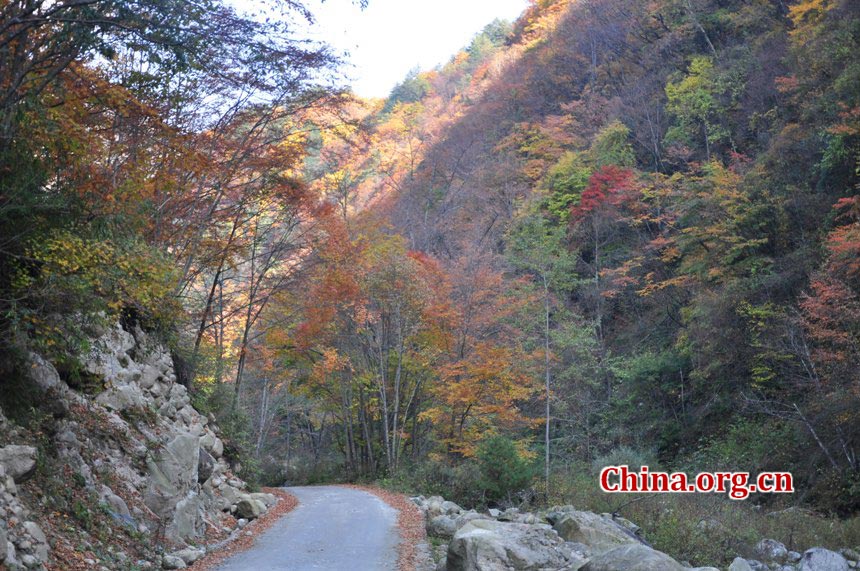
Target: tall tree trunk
x,y
547,381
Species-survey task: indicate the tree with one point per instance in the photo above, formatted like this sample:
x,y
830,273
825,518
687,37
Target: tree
x,y
504,470
537,247
693,100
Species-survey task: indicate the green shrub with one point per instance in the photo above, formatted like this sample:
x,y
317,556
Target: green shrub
x,y
458,482
625,455
503,469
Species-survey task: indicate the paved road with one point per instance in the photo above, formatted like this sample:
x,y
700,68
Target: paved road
x,y
332,529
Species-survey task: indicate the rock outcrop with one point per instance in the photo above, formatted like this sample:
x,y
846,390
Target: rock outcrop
x,y
490,544
135,446
561,538
632,557
565,539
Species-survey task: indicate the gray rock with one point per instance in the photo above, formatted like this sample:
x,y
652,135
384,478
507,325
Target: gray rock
x,y
108,357
114,502
29,561
189,555
11,559
820,559
451,508
510,514
188,521
793,556
19,461
771,550
149,375
599,533
850,554
3,540
632,557
179,460
488,545
205,465
740,564
443,526
172,486
41,545
249,508
172,562
122,398
43,373
268,499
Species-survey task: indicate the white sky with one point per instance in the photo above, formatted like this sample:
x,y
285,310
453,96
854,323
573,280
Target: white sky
x,y
390,37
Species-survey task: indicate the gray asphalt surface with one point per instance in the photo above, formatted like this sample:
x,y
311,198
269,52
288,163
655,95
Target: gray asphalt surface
x,y
332,529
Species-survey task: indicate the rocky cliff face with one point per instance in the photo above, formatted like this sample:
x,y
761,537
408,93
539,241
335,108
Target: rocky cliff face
x,y
124,475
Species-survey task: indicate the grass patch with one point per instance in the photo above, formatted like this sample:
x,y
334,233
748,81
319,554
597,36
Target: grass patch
x,y
706,529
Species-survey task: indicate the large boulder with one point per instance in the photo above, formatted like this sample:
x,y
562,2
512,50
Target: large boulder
x,y
190,554
40,542
445,526
180,459
771,550
268,499
122,398
43,373
172,562
740,564
109,356
188,521
820,559
19,461
489,545
114,503
171,492
632,557
249,508
598,532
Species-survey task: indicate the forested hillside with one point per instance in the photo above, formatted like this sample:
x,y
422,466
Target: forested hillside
x,y
649,206
612,231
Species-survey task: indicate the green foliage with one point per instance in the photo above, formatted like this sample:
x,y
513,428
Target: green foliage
x,y
537,246
70,285
565,182
459,482
412,89
611,146
658,378
694,100
235,425
504,470
747,445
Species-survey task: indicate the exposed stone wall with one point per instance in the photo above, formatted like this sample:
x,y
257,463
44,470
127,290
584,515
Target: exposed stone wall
x,y
156,465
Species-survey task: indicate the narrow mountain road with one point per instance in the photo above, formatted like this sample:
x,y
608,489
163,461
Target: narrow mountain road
x,y
332,529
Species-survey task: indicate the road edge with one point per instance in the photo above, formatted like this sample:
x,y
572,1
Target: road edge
x,y
247,536
412,549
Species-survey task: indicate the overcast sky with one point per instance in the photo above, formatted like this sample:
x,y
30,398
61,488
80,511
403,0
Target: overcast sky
x,y
390,37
